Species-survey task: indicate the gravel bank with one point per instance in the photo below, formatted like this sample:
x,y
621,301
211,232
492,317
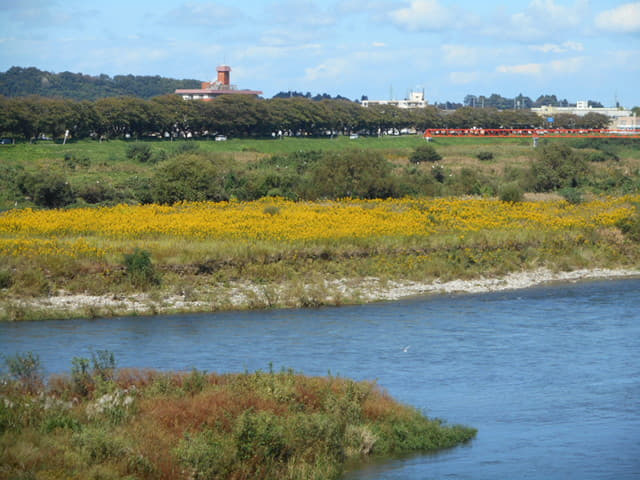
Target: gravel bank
x,y
247,295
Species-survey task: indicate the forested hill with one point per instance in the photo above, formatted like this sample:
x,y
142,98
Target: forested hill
x,y
18,81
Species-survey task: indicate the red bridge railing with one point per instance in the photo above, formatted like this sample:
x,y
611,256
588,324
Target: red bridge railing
x,y
533,132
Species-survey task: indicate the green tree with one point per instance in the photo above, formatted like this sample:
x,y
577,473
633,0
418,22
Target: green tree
x,y
557,166
354,173
189,177
592,120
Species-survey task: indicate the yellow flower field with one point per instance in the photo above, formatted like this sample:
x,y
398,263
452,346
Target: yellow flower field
x,y
75,231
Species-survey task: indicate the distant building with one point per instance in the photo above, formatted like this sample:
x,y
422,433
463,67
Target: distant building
x,y
213,89
415,100
629,124
581,109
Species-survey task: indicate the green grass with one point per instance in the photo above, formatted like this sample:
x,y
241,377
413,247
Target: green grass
x,y
104,165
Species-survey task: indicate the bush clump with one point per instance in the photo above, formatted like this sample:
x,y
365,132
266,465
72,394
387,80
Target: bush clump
x,y
354,173
484,155
6,279
189,177
511,192
571,195
558,166
140,152
46,189
25,369
97,192
140,269
424,153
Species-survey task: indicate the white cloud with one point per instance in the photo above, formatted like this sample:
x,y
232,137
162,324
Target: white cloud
x,y
540,20
555,67
623,19
525,69
568,46
378,44
423,15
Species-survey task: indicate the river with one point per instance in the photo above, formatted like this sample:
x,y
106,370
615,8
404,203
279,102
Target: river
x,y
550,376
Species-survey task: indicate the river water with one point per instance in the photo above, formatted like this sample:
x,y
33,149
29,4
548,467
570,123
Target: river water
x,y
550,376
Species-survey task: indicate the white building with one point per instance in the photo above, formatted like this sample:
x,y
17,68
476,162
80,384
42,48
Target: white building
x,y
415,100
581,109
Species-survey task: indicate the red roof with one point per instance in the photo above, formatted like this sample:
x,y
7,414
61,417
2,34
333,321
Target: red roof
x,y
216,92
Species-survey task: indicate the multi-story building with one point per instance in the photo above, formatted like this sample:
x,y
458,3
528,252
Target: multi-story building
x,y
415,100
215,88
581,109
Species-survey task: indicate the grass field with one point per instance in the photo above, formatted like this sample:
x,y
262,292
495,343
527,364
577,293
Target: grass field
x,y
290,252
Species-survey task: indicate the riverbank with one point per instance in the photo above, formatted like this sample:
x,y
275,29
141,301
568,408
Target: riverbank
x,y
274,253
250,295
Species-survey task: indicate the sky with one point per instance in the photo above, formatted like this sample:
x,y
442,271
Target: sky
x,y
575,49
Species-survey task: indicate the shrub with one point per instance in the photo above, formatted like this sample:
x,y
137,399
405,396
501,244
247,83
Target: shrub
x,y
25,369
6,279
140,269
81,381
140,152
194,382
206,454
259,435
189,177
468,182
104,364
558,166
140,188
354,173
571,195
97,193
98,444
437,172
484,155
424,153
46,189
511,192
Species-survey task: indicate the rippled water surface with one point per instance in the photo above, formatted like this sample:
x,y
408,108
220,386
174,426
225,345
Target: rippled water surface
x,y
550,376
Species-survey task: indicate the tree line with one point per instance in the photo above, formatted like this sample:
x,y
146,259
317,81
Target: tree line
x,y
520,102
170,116
18,81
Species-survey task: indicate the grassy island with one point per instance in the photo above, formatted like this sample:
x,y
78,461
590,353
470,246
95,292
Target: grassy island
x,y
107,423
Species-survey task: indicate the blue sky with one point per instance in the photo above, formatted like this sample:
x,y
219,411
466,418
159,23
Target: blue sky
x,y
575,49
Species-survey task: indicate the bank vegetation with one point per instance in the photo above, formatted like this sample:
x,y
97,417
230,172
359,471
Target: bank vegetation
x,y
103,422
